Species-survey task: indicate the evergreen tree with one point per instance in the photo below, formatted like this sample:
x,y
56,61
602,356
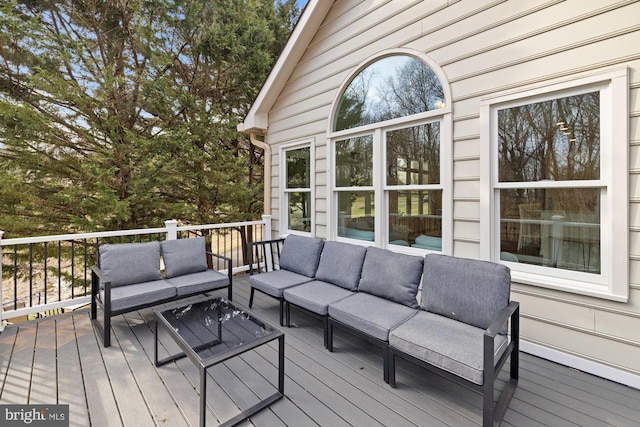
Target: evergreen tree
x,y
122,113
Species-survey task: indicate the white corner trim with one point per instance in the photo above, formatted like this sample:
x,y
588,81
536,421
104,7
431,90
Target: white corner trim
x,y
581,364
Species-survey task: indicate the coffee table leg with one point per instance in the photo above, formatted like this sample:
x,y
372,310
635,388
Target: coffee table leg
x,y
281,365
203,395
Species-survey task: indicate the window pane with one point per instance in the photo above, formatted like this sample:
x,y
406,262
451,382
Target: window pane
x,y
354,162
298,168
552,140
415,219
558,228
395,86
356,215
413,155
299,207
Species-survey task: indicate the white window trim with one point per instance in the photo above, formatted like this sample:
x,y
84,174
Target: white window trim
x,y
444,115
284,208
613,282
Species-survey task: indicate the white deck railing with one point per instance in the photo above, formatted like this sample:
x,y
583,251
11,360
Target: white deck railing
x,y
45,273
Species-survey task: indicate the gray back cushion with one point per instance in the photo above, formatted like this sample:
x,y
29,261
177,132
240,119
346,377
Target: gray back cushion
x,y
128,263
184,256
393,276
301,254
468,290
341,264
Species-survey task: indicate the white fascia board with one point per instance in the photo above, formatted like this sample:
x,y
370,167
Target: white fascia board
x,y
306,28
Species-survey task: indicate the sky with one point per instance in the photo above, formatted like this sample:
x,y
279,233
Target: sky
x,y
302,3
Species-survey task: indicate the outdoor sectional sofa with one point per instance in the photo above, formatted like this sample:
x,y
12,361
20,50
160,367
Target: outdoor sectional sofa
x,y
459,329
128,277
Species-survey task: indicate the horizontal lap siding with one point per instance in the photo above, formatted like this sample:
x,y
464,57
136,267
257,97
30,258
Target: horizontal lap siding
x,y
484,47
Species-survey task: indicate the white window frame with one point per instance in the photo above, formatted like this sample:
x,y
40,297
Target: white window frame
x,y
613,281
381,203
284,191
381,189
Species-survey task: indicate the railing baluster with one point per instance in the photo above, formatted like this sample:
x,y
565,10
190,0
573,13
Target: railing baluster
x,y
45,272
15,277
73,268
59,270
30,274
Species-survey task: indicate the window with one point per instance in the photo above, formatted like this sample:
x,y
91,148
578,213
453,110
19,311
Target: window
x,y
558,167
297,191
387,146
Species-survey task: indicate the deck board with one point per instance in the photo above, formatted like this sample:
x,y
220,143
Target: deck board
x,y
61,360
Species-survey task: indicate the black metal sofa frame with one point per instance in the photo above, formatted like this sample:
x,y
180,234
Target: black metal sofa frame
x,y
200,279
496,325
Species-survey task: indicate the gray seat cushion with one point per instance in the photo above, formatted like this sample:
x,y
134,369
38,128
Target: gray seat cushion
x,y
184,256
146,293
199,282
370,314
393,276
275,282
341,264
316,296
428,337
301,255
127,263
468,290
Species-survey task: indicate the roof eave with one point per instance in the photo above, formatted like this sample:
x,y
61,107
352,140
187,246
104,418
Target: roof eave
x,y
257,119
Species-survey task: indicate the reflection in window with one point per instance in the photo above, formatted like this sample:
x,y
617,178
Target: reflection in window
x,y
298,167
356,215
393,87
557,228
415,219
298,189
413,155
555,140
354,162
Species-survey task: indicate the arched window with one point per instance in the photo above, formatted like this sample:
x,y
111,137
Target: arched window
x,y
389,138
392,87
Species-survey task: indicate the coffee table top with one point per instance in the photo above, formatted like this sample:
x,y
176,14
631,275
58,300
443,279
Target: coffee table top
x,y
215,328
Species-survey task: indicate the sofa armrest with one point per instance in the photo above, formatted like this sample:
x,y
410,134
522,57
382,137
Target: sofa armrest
x,y
101,279
267,249
499,323
227,260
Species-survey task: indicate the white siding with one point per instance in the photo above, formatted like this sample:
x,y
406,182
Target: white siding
x,y
484,47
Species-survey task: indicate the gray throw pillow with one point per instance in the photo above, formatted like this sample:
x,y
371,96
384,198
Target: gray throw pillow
x,y
301,254
341,264
184,256
390,275
468,290
129,263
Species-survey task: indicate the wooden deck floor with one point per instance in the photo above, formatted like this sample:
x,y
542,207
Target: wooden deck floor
x,y
60,360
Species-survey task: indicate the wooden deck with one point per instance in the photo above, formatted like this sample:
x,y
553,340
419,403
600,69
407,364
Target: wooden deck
x,y
60,360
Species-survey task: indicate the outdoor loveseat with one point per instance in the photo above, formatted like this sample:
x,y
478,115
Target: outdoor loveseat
x,y
128,277
459,329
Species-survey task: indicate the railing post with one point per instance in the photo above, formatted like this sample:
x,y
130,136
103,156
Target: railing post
x,y
172,229
1,284
266,231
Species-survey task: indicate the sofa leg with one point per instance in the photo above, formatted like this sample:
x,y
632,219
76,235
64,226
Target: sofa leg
x,y
281,311
251,297
107,331
326,330
230,293
94,309
392,369
330,336
287,313
385,364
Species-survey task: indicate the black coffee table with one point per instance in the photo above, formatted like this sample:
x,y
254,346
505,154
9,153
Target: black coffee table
x,y
212,330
